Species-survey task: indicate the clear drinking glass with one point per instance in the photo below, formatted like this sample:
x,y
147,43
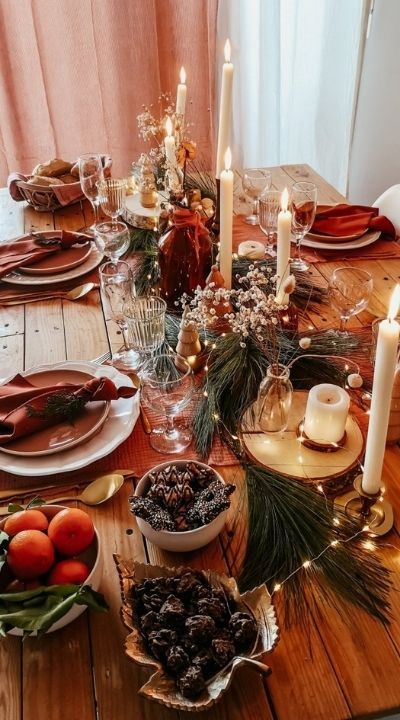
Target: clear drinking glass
x,y
90,173
268,207
169,390
112,239
117,289
145,317
303,207
112,194
349,291
255,181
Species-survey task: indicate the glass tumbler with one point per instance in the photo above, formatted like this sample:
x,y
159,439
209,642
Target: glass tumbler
x,y
145,317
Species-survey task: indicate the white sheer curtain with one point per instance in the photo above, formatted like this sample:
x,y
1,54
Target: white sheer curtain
x,y
296,76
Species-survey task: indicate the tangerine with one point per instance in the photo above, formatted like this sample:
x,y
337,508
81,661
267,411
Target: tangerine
x,y
68,572
25,520
71,531
30,554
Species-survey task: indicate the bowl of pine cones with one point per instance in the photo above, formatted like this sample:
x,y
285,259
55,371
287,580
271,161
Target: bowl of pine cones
x,y
181,505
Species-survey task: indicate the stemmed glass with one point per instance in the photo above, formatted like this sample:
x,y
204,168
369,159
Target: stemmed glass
x,y
255,182
117,288
169,390
304,206
112,194
112,239
269,206
145,317
349,291
91,173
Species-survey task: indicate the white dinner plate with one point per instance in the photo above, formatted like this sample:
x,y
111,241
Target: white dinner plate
x,y
366,239
18,278
321,237
117,427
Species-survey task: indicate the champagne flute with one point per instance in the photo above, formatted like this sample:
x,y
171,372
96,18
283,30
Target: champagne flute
x,y
117,288
349,291
90,173
255,182
112,239
304,206
112,194
269,207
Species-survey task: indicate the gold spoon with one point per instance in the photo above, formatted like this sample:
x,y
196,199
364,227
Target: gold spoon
x,y
74,294
97,492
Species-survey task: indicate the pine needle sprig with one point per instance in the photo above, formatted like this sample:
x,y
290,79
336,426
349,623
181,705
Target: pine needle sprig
x,y
141,240
289,523
199,177
63,405
146,273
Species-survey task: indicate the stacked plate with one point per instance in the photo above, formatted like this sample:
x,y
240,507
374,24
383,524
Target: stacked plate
x,y
347,242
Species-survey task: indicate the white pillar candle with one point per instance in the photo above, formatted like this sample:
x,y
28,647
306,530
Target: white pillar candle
x,y
225,109
169,143
385,366
283,249
226,219
326,413
181,94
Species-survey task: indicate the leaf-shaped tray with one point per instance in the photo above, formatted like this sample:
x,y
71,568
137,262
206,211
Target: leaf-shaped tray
x,y
161,686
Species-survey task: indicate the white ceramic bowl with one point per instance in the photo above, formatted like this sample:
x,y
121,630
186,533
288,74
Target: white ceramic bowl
x,y
186,540
91,556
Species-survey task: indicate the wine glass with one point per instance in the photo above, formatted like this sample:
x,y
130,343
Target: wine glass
x,y
349,291
117,288
145,317
304,206
268,207
112,239
255,182
169,390
112,194
90,173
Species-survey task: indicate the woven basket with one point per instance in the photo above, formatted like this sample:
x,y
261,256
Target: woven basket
x,y
42,197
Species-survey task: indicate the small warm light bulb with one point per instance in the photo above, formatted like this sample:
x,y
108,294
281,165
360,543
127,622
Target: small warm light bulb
x,y
334,543
336,521
320,488
168,126
228,159
368,545
394,303
365,528
227,51
306,564
284,200
205,393
277,587
182,75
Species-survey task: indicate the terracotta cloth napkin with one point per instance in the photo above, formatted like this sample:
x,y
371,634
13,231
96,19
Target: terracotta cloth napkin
x,y
30,251
343,220
18,398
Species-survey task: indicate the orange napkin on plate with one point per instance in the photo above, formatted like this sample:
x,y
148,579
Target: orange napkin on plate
x,y
344,220
32,249
25,408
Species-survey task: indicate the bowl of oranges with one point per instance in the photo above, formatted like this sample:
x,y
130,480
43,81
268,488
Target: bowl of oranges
x,y
49,554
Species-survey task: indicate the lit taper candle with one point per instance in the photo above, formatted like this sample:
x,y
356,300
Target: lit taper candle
x,y
225,109
181,94
385,365
226,219
169,142
283,248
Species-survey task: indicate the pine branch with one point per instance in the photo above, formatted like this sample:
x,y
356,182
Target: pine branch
x,y
63,405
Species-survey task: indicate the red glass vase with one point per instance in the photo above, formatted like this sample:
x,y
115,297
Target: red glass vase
x,y
184,255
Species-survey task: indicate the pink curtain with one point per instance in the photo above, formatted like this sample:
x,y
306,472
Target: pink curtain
x,y
76,73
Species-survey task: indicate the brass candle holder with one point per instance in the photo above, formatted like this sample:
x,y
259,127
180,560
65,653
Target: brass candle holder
x,y
374,511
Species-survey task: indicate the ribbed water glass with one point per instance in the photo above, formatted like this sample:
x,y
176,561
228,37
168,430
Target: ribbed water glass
x,y
146,322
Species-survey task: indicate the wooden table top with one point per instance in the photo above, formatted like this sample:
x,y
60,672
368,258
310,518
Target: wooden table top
x,y
338,667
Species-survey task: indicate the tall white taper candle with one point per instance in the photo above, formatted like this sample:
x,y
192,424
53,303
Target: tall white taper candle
x,y
181,94
225,109
283,248
169,142
226,219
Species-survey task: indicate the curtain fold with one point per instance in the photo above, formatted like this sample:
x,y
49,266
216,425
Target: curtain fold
x,y
76,73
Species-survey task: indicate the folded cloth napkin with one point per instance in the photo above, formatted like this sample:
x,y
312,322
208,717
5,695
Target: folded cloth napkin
x,y
26,409
34,248
343,220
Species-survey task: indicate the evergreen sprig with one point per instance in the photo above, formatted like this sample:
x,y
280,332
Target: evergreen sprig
x,y
63,405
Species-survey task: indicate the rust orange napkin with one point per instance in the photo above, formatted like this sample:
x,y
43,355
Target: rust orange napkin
x,y
29,251
343,220
25,409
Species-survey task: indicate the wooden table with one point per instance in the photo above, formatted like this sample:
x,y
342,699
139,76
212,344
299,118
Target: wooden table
x,y
338,667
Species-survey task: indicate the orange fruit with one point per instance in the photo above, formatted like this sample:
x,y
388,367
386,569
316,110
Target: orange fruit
x,y
71,531
30,554
68,572
25,520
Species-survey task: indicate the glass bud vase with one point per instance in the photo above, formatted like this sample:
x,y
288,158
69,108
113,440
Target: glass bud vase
x,y
275,399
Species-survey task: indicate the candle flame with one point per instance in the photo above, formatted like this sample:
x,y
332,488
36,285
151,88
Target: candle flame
x,y
182,75
394,303
227,51
284,200
228,159
168,126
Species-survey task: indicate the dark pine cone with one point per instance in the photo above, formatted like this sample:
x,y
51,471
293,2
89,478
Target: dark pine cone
x,y
223,651
177,659
214,608
244,630
148,510
204,660
188,584
160,641
173,612
150,622
191,682
152,601
200,628
189,645
210,502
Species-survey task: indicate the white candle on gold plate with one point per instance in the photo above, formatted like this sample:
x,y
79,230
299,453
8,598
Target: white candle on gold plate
x,y
225,109
226,220
326,413
169,143
181,94
283,248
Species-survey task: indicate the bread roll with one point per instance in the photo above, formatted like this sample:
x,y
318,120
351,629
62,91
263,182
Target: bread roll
x,y
45,181
68,178
52,168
